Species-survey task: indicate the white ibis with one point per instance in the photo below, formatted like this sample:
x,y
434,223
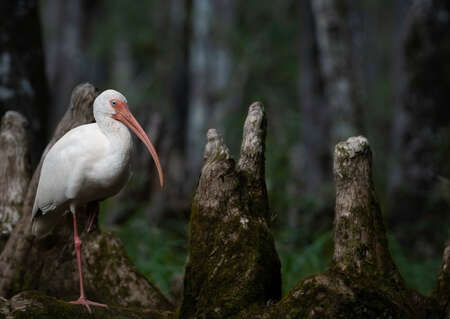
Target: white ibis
x,y
89,163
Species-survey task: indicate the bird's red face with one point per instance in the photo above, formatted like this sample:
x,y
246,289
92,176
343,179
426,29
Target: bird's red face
x,y
124,115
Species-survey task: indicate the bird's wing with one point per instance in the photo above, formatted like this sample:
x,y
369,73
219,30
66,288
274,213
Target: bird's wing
x,y
65,166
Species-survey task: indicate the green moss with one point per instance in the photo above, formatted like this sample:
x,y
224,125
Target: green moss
x,y
38,306
335,294
233,263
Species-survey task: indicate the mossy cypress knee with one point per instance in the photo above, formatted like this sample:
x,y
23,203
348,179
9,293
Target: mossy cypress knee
x,y
232,259
362,281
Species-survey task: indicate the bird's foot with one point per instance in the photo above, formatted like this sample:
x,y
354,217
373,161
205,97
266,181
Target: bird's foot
x,y
87,303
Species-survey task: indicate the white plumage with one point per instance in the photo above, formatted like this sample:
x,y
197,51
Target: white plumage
x,y
83,166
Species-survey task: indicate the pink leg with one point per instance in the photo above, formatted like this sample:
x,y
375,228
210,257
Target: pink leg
x,y
82,300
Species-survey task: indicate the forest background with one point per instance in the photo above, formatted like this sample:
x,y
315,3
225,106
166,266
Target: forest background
x,y
323,75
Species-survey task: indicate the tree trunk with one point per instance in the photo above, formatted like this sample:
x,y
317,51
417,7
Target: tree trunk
x,y
198,105
336,33
360,242
315,133
210,73
175,200
167,133
232,259
310,160
48,265
23,85
62,41
400,116
15,171
422,127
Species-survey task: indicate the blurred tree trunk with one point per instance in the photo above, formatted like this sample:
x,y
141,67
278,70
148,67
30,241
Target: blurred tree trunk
x,y
23,85
198,106
167,133
122,72
210,73
337,25
310,161
314,110
176,197
399,80
401,7
62,42
195,67
422,130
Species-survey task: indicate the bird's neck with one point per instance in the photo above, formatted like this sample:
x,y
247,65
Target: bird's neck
x,y
117,133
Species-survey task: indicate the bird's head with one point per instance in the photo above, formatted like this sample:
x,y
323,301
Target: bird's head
x,y
113,104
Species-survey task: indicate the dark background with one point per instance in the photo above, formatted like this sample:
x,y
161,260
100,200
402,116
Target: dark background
x,y
379,69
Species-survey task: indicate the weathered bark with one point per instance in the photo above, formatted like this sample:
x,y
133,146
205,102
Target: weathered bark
x,y
251,163
232,259
49,264
23,85
15,171
442,291
362,281
335,23
360,243
420,153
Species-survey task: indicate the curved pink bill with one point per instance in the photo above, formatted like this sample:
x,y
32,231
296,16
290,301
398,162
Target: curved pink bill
x,y
124,115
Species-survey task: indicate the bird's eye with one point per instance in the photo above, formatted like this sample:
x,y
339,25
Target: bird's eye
x,y
113,102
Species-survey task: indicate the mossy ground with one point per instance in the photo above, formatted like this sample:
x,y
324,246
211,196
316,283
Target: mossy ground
x,y
335,295
36,305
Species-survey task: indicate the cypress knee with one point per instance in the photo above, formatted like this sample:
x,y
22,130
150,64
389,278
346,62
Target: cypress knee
x,y
14,171
232,259
362,281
